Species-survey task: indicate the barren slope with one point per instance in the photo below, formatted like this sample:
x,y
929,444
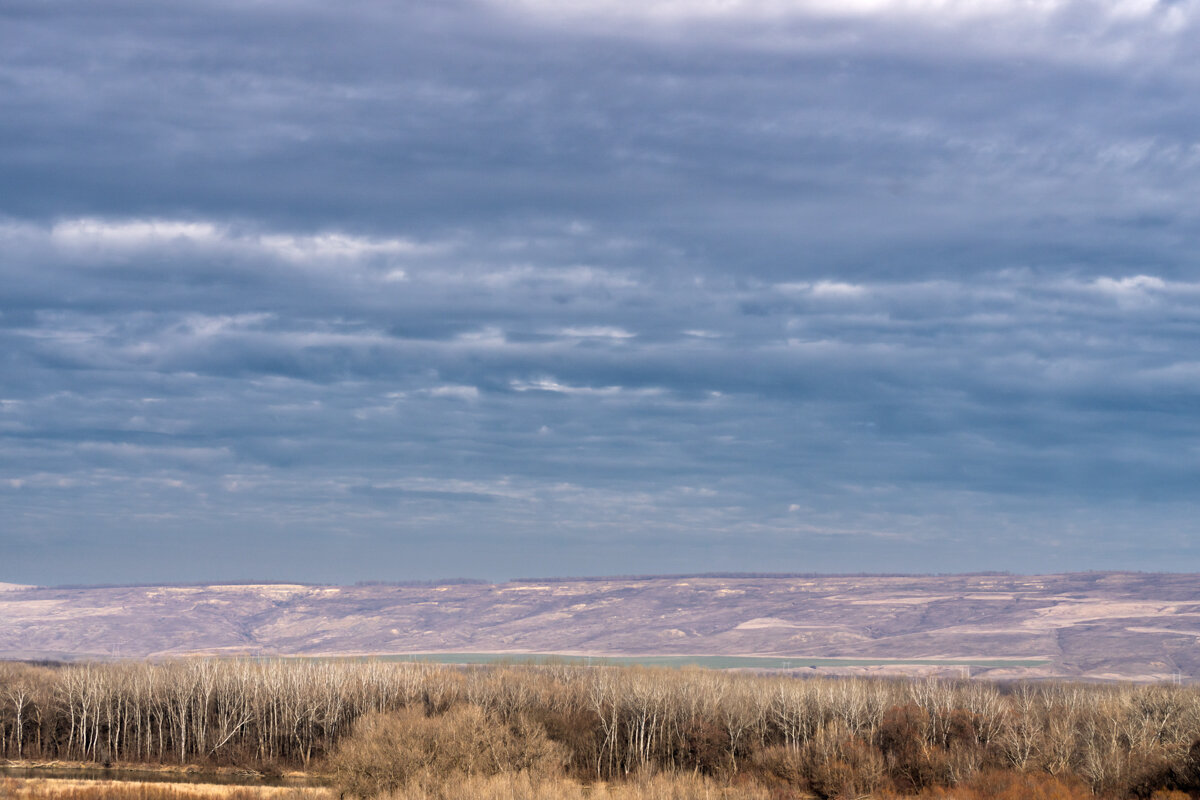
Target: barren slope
x,y
1094,624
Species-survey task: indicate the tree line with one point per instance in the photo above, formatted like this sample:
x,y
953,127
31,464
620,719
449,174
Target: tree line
x,y
831,736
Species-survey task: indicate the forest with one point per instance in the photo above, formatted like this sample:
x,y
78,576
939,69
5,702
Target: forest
x,y
419,730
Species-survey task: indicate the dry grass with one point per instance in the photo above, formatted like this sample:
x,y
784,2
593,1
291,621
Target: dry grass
x,y
59,767
497,787
522,787
72,789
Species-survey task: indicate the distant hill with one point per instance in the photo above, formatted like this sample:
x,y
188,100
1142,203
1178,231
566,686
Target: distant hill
x,y
1094,625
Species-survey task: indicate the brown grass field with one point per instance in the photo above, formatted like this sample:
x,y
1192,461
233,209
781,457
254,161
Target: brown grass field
x,y
72,789
996,786
498,787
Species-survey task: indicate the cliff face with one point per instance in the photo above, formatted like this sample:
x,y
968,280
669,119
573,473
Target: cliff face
x,y
1092,625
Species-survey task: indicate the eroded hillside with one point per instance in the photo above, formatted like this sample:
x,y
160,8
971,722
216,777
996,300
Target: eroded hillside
x,y
1103,625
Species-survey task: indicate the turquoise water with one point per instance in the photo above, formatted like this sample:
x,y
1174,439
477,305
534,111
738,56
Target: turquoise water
x,y
708,662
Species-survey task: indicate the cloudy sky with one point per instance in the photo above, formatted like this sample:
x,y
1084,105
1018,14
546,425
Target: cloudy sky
x,y
407,290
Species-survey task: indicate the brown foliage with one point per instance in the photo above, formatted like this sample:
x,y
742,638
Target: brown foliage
x,y
903,740
392,751
1002,786
835,737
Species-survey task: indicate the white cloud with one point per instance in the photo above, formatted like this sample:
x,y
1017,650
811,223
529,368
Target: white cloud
x,y
1168,17
1134,292
824,289
500,488
340,246
528,274
145,235
1094,32
491,336
132,234
454,391
596,332
551,385
207,325
1137,284
837,289
685,10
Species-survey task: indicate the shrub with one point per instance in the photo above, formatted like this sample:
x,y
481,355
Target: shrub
x,y
387,752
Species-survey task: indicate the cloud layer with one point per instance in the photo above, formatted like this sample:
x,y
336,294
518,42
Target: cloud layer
x,y
494,289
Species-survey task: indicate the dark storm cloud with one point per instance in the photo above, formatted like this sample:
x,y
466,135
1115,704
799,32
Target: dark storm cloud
x,y
381,290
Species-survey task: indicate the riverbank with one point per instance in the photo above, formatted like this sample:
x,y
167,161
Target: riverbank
x,y
40,788
156,773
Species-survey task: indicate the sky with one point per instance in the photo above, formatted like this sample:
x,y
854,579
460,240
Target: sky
x,y
411,290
